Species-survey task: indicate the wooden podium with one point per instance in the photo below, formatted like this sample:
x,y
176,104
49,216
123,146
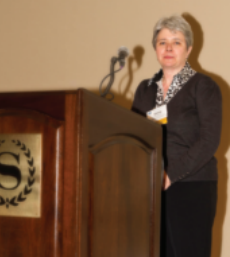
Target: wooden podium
x,y
100,178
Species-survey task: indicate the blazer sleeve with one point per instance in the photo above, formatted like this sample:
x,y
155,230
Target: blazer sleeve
x,y
209,105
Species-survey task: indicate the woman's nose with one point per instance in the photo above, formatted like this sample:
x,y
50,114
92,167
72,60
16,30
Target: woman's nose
x,y
168,47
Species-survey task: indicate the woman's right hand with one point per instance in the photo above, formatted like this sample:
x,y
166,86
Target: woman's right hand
x,y
166,181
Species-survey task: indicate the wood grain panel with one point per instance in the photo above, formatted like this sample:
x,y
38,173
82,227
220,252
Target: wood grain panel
x,y
36,237
121,198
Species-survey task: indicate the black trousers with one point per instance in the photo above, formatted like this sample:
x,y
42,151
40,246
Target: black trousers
x,y
188,211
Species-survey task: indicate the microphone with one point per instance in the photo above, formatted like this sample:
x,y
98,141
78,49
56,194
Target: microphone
x,y
123,52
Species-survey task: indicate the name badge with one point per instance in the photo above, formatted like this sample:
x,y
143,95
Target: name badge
x,y
159,114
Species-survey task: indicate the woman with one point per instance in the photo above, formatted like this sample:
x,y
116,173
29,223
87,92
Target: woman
x,y
191,103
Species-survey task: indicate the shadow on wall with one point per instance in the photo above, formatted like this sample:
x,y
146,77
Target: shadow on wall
x,y
134,63
123,96
225,136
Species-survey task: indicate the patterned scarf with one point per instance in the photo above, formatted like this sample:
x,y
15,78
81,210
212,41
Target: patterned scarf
x,y
178,81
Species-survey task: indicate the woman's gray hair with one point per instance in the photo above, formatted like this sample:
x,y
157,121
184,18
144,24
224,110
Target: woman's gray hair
x,y
173,23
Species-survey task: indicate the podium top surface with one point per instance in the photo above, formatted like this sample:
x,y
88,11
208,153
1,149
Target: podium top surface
x,y
95,109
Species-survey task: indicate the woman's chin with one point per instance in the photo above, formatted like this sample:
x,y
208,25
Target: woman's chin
x,y
168,65
172,66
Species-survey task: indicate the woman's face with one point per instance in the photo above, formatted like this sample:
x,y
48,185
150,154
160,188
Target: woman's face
x,y
171,50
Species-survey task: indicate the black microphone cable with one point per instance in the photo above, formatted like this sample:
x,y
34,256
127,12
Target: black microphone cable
x,y
122,52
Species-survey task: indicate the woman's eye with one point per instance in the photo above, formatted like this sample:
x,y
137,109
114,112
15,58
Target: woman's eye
x,y
162,43
177,43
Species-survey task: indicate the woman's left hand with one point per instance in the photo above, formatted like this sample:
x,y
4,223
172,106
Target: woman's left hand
x,y
167,181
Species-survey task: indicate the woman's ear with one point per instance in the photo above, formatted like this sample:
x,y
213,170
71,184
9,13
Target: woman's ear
x,y
189,51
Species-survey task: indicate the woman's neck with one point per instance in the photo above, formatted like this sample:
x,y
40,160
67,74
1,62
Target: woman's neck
x,y
168,74
167,78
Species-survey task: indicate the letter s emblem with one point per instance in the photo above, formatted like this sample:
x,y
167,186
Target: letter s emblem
x,y
10,170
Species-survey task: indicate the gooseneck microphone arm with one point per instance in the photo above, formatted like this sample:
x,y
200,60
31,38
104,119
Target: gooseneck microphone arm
x,y
122,53
105,92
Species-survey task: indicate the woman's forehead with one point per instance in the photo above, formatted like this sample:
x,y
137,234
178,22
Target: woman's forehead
x,y
169,34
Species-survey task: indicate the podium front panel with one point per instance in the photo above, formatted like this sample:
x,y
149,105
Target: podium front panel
x,y
120,203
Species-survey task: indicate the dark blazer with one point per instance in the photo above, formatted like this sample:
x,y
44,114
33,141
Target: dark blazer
x,y
192,134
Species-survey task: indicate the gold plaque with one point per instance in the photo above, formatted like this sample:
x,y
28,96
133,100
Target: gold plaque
x,y
20,175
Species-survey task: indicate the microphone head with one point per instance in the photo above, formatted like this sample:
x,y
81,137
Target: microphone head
x,y
122,53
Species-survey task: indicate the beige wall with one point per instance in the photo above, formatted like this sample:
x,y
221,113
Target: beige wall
x,y
49,45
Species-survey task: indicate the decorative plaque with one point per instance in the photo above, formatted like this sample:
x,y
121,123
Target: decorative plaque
x,y
20,175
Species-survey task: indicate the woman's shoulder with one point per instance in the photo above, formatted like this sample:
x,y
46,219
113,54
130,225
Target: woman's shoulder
x,y
144,83
204,86
203,78
150,84
147,83
146,86
201,82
